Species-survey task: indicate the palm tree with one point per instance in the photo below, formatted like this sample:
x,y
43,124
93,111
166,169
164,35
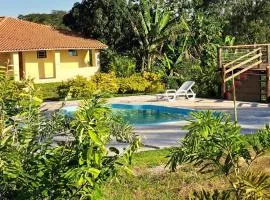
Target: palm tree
x,y
153,23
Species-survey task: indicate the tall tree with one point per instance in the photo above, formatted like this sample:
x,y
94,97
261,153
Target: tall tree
x,y
103,20
55,18
249,21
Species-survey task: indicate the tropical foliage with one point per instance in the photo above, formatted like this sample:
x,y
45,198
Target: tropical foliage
x,y
152,43
249,21
152,23
214,144
33,165
166,37
122,66
103,20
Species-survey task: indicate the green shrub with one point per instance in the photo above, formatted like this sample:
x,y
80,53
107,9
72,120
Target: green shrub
x,y
141,83
123,66
79,87
48,91
9,94
63,89
105,82
156,84
214,144
172,82
133,84
206,79
33,168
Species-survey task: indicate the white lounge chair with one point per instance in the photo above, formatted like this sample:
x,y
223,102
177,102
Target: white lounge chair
x,y
185,90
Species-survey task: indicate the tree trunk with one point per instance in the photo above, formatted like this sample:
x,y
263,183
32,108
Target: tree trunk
x,y
143,64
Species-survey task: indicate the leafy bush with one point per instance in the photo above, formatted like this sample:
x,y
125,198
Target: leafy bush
x,y
81,87
10,94
206,80
133,84
172,82
63,89
155,82
48,91
32,168
105,82
78,87
121,129
214,144
141,83
123,66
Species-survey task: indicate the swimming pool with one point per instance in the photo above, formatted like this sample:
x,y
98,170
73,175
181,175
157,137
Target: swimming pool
x,y
144,114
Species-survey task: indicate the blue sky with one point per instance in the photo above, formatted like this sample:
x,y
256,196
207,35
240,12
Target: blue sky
x,y
15,7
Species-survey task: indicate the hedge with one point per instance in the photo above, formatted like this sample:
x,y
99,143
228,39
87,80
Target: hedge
x,y
48,91
81,87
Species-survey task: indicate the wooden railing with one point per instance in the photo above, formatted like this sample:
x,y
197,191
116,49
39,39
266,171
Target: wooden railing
x,y
230,53
235,60
243,66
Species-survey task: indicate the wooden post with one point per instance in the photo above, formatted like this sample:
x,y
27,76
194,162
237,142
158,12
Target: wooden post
x,y
223,69
234,100
260,58
267,88
268,54
223,83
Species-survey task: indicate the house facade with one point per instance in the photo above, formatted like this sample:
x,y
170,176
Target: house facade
x,y
40,52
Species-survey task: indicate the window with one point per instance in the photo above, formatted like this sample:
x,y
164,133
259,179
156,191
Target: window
x,y
73,52
41,54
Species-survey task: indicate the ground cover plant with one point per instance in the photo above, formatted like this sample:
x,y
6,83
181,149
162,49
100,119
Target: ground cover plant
x,y
214,144
48,91
33,166
153,181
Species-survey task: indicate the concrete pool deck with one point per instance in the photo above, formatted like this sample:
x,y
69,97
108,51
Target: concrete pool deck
x,y
251,116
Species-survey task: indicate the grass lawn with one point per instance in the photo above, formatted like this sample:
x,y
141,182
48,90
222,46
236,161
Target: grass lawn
x,y
152,181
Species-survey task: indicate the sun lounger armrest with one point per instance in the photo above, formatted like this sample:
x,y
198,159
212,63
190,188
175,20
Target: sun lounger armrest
x,y
170,91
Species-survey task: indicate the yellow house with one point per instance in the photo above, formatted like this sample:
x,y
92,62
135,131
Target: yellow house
x,y
30,50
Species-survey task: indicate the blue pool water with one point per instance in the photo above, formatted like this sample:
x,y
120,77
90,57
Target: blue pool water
x,y
144,114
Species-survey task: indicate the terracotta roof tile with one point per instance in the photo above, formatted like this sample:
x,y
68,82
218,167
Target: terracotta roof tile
x,y
20,35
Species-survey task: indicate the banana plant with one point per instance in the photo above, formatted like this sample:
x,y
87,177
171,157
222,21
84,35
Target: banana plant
x,y
175,55
153,23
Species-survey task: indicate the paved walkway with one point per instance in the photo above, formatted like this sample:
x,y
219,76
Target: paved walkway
x,y
251,116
